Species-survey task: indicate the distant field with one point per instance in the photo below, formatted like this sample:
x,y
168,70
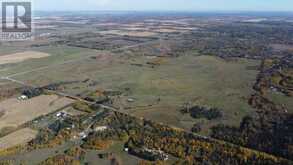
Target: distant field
x,y
201,80
58,54
19,57
168,30
282,47
130,33
130,28
17,47
17,138
19,112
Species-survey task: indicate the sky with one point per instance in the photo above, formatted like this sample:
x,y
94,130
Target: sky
x,y
164,5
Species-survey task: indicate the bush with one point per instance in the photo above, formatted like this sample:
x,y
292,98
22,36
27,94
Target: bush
x,y
196,128
81,106
203,112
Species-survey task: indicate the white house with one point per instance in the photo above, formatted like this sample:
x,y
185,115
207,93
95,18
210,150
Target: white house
x,y
22,97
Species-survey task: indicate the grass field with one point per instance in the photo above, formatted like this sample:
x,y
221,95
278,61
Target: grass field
x,y
17,138
201,80
19,112
117,149
10,48
58,54
35,157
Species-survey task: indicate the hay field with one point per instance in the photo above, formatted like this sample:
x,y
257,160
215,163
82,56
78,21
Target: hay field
x,y
17,138
19,112
19,57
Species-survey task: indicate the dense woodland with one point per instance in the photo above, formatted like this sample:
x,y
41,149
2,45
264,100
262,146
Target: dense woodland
x,y
269,132
270,128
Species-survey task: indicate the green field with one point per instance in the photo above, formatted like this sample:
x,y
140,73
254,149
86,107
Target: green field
x,y
159,92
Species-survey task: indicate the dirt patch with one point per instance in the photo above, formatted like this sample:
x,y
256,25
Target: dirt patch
x,y
19,57
19,112
17,138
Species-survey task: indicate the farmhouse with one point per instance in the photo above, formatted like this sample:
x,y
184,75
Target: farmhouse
x,y
22,97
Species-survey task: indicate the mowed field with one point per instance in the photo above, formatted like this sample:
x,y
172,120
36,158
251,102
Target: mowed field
x,y
19,57
159,92
16,113
17,138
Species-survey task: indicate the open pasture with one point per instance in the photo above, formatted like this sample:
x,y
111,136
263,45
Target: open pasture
x,y
16,112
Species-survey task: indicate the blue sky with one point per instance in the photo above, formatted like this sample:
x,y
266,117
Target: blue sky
x,y
181,5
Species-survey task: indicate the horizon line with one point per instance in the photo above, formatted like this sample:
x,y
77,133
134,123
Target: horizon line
x,y
187,11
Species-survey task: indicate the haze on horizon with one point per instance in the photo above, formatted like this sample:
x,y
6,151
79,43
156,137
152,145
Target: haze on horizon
x,y
164,5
